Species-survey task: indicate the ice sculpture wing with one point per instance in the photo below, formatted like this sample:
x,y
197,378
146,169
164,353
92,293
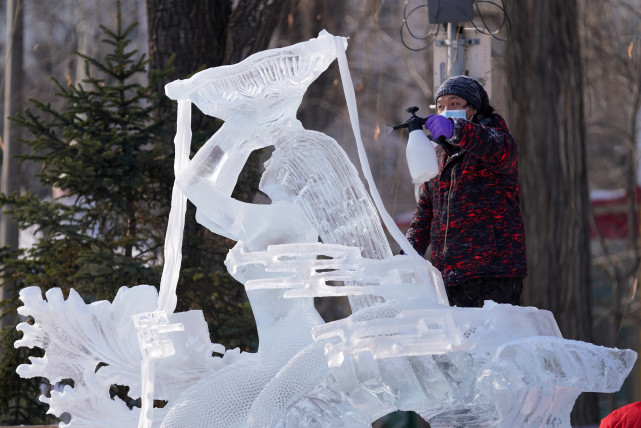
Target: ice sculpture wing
x,y
95,346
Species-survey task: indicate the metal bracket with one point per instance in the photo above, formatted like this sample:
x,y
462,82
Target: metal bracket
x,y
460,42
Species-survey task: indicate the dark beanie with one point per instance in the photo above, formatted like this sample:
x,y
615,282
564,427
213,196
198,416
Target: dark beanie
x,y
467,88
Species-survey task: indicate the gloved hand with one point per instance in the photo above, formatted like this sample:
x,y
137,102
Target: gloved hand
x,y
439,126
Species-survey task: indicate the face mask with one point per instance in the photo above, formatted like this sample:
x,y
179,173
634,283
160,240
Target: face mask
x,y
461,114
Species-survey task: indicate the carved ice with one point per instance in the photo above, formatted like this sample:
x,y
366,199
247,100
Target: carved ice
x,y
402,348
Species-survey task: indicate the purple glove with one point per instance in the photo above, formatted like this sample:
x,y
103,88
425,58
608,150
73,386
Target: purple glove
x,y
439,126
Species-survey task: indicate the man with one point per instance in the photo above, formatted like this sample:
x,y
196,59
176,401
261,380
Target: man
x,y
470,212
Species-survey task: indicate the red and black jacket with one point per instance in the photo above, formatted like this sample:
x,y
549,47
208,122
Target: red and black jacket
x,y
470,211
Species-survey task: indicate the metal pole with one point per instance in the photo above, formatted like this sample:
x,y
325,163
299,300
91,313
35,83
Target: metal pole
x,y
13,98
455,56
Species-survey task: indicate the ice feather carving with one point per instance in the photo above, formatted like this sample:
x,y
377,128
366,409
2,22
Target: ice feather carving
x,y
95,346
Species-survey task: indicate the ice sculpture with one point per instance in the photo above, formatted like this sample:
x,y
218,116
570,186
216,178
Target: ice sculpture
x,y
403,347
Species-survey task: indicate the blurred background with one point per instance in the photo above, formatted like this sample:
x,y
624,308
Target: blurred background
x,y
565,74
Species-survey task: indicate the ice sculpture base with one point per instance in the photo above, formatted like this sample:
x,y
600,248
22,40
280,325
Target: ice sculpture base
x,y
510,367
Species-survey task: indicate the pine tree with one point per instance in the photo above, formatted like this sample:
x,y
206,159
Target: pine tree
x,y
101,153
105,154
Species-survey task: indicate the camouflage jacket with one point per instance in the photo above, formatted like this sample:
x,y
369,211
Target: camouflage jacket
x,y
470,211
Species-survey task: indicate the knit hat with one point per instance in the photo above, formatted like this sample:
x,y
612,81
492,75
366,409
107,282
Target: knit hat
x,y
467,88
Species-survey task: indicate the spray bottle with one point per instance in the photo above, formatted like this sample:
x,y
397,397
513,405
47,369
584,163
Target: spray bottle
x,y
421,152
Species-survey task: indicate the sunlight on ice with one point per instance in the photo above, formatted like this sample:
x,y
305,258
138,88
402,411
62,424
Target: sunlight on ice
x,y
403,347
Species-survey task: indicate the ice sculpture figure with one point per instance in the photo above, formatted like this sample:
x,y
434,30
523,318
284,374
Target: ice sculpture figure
x,y
403,347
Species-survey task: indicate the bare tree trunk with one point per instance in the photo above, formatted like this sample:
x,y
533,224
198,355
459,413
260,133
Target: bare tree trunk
x,y
544,71
303,23
205,33
193,30
251,26
13,95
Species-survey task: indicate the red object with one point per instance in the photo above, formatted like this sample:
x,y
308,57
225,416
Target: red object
x,y
611,216
625,417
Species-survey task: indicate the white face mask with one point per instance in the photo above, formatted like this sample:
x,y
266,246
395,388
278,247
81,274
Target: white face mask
x,y
461,114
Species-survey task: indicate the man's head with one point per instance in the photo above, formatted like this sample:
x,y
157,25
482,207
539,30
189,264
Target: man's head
x,y
460,93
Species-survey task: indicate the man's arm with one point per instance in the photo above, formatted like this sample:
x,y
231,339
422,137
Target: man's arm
x,y
491,142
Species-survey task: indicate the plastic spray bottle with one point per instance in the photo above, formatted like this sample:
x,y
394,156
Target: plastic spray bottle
x,y
420,152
